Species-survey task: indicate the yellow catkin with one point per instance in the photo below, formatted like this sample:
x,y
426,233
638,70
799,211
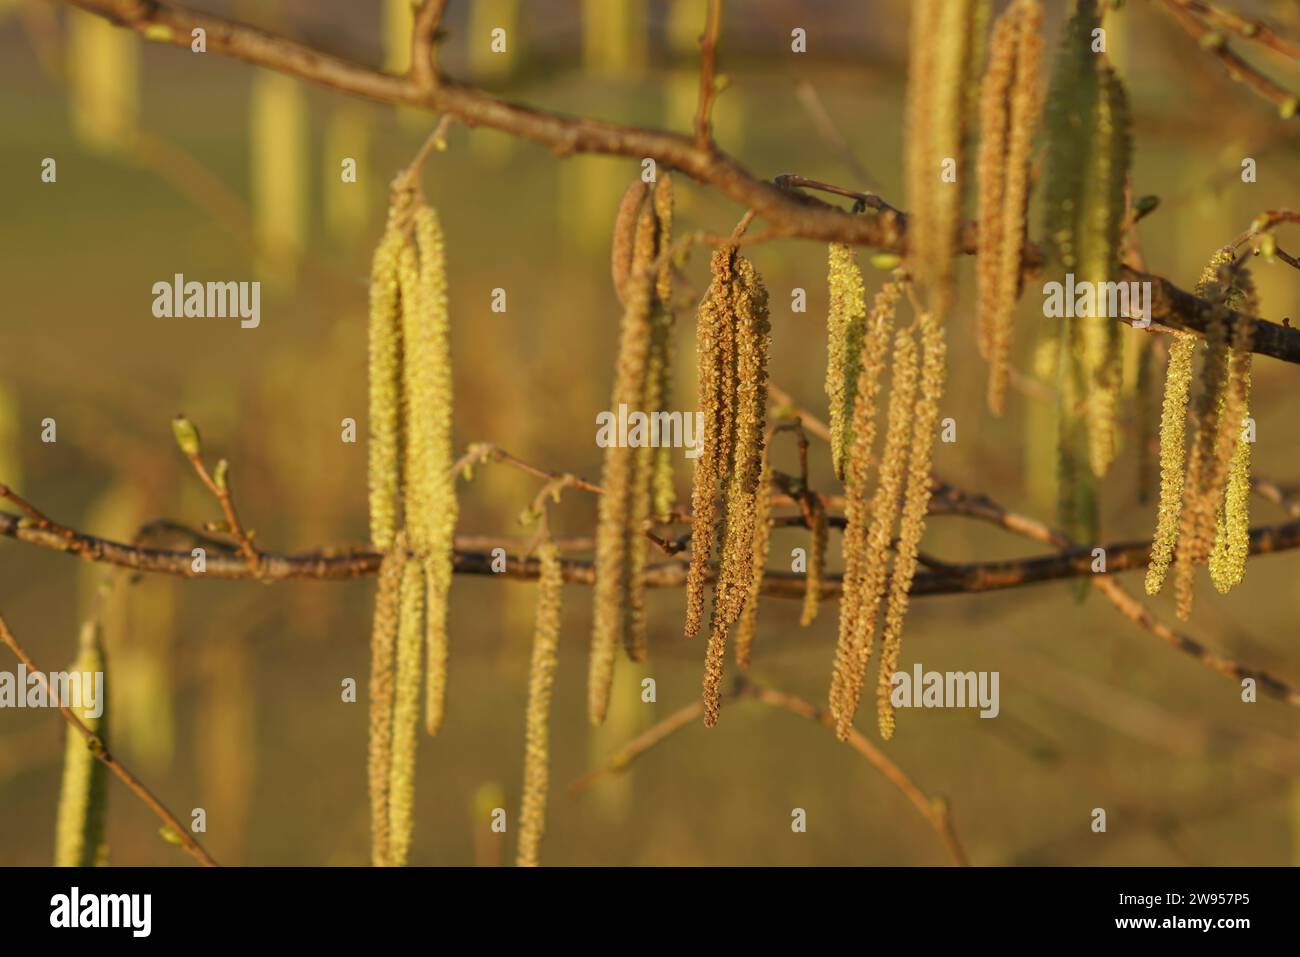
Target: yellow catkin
x,y
278,147
845,328
999,278
428,425
736,568
541,681
747,627
916,502
103,63
875,349
639,504
1173,452
1232,535
79,831
406,713
660,388
853,656
383,661
812,595
385,389
991,170
611,618
625,220
715,356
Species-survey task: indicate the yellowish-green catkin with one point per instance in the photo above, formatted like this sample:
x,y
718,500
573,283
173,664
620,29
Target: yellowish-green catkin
x,y
812,594
612,616
541,681
1173,452
79,832
857,507
747,627
943,39
428,424
639,502
846,322
1010,104
854,654
716,370
347,204
385,389
406,713
103,81
1232,534
383,662
916,502
659,390
278,146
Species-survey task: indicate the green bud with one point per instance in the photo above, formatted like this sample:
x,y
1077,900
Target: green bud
x,y
169,835
886,260
219,474
1289,107
187,435
1145,205
1213,41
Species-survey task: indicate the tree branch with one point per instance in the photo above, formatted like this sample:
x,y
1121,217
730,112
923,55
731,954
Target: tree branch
x,y
788,213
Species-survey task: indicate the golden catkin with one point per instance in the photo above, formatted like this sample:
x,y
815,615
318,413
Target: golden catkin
x,y
854,654
916,502
406,713
1232,535
747,627
541,681
875,349
615,515
625,220
385,390
715,358
660,386
753,344
83,794
428,425
1173,452
812,595
383,661
845,328
1010,104
639,504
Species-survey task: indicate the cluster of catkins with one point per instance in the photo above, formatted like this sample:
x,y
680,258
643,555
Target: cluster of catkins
x,y
412,506
1205,483
638,480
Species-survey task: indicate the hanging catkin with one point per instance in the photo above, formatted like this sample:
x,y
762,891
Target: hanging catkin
x,y
83,795
612,616
853,653
1232,533
880,327
1173,452
406,713
541,680
625,220
715,356
1010,101
385,389
736,568
383,661
812,595
660,387
943,38
747,628
429,388
845,328
916,502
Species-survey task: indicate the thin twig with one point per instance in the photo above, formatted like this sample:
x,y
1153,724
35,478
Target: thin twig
x,y
708,76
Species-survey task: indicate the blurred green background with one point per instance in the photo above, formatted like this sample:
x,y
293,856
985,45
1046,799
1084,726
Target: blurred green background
x,y
227,695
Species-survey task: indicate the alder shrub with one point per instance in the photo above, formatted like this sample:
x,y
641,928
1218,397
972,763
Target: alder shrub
x,y
1017,113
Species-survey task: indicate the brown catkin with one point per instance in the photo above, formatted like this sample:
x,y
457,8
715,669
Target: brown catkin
x,y
406,714
541,681
857,510
385,421
812,594
747,627
383,660
715,360
916,502
615,511
625,220
853,656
